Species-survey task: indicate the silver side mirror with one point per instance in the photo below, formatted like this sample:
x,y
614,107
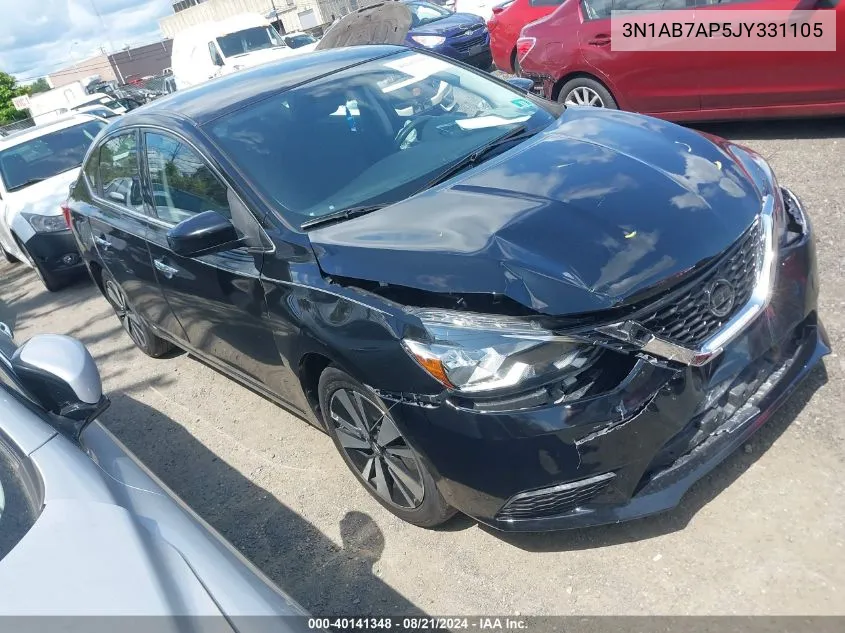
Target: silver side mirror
x,y
5,329
62,376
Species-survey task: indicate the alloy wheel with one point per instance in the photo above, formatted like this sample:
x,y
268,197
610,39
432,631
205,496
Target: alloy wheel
x,y
128,319
584,96
376,448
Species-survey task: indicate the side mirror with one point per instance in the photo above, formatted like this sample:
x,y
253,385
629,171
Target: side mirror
x,y
521,83
207,232
62,376
117,197
5,329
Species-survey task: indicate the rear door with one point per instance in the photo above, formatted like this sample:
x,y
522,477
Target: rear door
x,y
119,226
759,79
651,81
217,298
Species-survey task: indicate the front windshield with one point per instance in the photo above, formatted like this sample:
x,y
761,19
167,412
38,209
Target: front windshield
x,y
372,134
253,39
295,41
45,156
425,13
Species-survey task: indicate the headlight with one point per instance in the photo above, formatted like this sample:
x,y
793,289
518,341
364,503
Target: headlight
x,y
478,353
428,40
46,223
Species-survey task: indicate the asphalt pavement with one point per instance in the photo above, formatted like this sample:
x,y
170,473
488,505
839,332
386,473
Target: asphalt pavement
x,y
763,534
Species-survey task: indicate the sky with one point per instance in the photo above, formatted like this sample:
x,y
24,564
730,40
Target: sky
x,y
41,36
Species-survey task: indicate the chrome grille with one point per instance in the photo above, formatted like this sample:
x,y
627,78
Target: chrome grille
x,y
554,501
688,319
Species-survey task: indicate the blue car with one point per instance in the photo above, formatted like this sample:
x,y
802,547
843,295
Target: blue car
x,y
417,24
461,36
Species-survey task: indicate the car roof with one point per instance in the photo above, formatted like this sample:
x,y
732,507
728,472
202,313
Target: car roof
x,y
217,97
45,128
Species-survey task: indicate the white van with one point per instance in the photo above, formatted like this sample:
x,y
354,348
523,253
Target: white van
x,y
213,49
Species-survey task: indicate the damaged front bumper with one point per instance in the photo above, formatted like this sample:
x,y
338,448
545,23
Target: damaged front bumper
x,y
633,451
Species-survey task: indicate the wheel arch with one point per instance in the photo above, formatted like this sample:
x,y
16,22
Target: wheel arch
x,y
560,83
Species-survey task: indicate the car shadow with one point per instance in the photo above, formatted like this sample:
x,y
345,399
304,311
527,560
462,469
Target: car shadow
x,y
786,129
21,299
323,577
698,496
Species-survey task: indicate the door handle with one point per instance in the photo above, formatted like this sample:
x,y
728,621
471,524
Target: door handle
x,y
101,241
600,40
164,269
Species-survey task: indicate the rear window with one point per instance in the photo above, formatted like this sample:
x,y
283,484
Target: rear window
x,y
35,160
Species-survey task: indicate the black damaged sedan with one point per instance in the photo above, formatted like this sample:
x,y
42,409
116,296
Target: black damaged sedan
x,y
543,318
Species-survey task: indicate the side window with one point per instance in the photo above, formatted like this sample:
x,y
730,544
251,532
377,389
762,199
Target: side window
x,y
120,177
601,9
544,3
215,56
710,3
183,184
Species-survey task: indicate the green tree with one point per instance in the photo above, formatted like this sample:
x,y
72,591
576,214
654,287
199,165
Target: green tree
x,y
10,89
39,85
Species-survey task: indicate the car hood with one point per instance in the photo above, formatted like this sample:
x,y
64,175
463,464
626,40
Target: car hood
x,y
449,26
589,214
44,198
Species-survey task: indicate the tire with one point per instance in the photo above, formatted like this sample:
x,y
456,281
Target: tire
x,y
517,69
51,281
587,86
377,452
9,258
143,337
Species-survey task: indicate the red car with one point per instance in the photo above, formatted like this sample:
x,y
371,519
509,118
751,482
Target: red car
x,y
569,56
506,23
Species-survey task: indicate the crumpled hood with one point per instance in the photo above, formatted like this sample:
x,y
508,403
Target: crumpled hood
x,y
44,198
585,216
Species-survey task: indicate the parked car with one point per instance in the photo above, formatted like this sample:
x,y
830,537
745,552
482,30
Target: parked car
x,y
416,24
87,529
505,26
298,39
582,68
36,167
214,49
541,317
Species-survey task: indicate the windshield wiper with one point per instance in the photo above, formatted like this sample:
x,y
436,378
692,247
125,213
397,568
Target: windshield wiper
x,y
516,134
27,183
341,214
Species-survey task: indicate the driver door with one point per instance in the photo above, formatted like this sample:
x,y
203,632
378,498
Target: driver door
x,y
217,298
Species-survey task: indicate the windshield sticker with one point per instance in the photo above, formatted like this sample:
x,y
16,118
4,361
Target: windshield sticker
x,y
523,104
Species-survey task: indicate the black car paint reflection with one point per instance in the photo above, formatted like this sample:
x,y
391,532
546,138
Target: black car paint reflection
x,y
598,215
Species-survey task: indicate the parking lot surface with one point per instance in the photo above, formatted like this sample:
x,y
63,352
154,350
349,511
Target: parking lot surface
x,y
763,534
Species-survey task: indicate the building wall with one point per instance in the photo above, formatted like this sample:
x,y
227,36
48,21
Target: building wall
x,y
289,12
82,70
143,61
